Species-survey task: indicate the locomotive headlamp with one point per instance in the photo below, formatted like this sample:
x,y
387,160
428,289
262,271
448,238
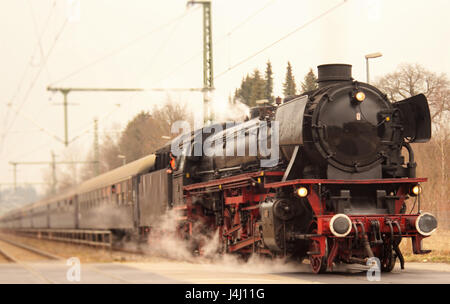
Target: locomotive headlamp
x,y
340,225
360,96
426,224
416,190
302,191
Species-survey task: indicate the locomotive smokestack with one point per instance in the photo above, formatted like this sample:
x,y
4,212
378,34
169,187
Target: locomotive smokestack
x,y
333,73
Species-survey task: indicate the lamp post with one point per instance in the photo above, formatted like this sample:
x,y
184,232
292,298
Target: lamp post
x,y
369,56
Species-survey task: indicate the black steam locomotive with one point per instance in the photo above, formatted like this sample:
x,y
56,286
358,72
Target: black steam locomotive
x,y
319,176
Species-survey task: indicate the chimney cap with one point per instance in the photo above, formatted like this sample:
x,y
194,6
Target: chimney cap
x,y
334,72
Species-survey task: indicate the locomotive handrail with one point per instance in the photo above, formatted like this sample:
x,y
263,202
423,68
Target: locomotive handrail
x,y
232,179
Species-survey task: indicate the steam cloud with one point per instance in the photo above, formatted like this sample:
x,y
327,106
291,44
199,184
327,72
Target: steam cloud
x,y
224,110
164,242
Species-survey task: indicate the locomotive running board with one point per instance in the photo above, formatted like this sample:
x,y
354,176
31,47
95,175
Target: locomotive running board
x,y
232,181
346,181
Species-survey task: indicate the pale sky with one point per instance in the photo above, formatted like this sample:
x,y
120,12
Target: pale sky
x,y
145,43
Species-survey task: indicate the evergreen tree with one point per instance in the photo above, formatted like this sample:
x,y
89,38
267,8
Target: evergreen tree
x,y
252,89
268,92
310,82
289,87
258,88
244,92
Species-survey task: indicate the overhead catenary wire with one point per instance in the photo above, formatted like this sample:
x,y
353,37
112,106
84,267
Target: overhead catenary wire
x,y
121,48
45,60
280,39
38,36
156,54
27,67
38,126
32,151
160,49
243,22
85,128
24,131
216,43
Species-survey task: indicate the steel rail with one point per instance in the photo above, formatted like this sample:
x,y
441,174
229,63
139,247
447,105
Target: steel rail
x,y
50,256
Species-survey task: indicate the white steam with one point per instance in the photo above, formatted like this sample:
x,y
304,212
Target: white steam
x,y
224,109
166,242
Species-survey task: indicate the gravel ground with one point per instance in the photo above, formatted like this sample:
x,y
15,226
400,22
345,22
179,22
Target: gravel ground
x,y
85,253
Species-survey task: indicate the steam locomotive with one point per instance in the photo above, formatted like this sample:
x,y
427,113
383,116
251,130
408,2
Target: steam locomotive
x,y
320,176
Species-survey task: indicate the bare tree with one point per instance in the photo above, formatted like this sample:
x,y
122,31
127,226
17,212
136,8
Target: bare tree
x,y
69,175
149,131
66,175
108,154
412,79
144,134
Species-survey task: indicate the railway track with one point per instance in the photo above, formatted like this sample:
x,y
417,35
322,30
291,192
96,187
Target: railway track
x,y
27,258
132,251
69,238
112,247
26,248
23,255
